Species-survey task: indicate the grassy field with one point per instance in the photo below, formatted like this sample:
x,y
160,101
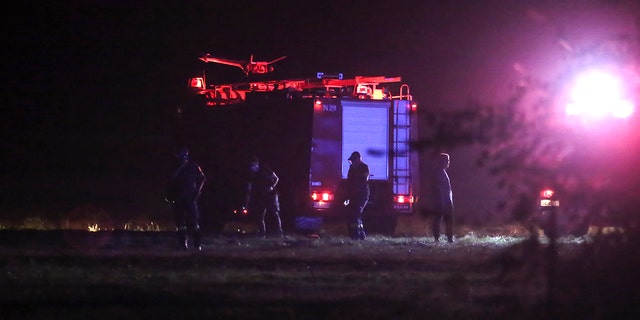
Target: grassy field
x,y
119,274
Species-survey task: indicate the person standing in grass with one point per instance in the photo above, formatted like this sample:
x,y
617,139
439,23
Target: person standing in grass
x,y
185,187
442,198
357,195
262,196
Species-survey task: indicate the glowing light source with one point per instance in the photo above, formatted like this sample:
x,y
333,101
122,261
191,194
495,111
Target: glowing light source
x,y
321,196
242,211
598,94
322,199
547,198
196,83
547,193
403,199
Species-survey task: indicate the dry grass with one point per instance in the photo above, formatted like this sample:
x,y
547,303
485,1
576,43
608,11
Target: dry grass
x,y
484,274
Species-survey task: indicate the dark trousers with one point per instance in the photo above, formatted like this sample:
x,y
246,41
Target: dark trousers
x,y
187,216
355,226
268,206
442,216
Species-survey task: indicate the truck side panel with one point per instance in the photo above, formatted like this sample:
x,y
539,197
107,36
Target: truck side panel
x,y
366,129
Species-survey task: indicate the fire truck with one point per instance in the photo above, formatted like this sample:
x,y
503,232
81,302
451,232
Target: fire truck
x,y
305,129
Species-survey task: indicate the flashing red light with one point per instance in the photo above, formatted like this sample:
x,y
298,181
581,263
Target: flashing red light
x,y
196,83
362,89
322,196
403,199
414,106
547,193
317,105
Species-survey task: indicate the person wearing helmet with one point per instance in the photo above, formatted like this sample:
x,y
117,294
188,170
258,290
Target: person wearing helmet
x,y
357,192
185,187
262,196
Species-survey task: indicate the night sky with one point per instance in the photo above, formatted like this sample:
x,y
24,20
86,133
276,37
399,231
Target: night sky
x,y
89,87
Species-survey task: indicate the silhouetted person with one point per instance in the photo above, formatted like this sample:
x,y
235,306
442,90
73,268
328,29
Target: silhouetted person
x,y
442,199
184,190
262,196
357,195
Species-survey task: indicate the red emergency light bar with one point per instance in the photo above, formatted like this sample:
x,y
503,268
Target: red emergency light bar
x,y
196,83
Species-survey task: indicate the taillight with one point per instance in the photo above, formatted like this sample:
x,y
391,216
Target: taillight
x,y
322,200
322,196
401,199
547,198
547,193
242,211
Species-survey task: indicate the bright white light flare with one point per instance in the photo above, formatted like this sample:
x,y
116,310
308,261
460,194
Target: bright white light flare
x,y
598,94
